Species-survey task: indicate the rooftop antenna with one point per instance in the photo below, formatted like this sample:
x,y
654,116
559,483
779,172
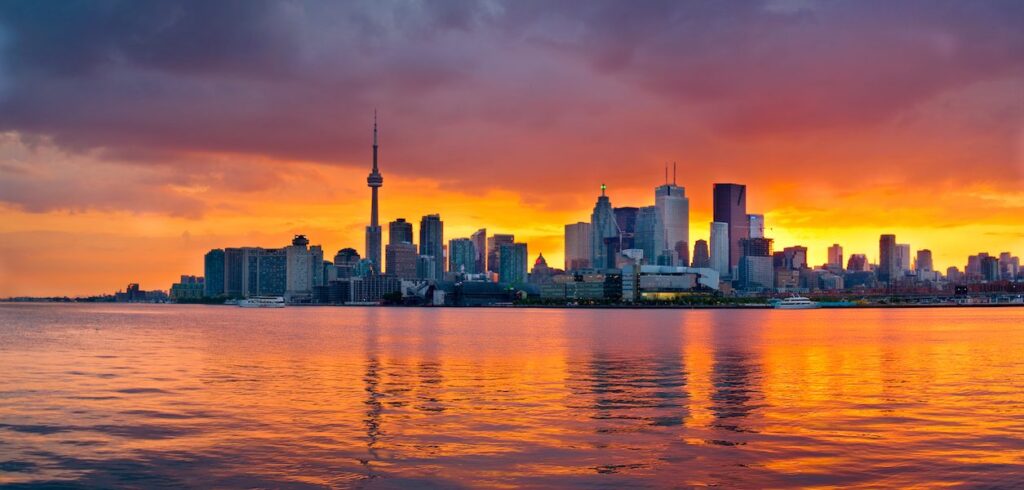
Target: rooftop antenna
x,y
673,173
666,173
603,187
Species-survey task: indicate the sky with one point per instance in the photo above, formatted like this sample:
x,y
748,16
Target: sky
x,y
135,136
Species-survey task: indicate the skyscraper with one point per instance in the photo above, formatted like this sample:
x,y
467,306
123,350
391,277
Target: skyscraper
x,y
730,207
462,256
643,239
399,231
857,263
720,249
494,244
672,228
701,255
902,258
602,226
835,256
887,266
432,242
924,261
755,222
374,181
346,261
625,221
401,260
213,269
512,269
303,269
577,246
480,244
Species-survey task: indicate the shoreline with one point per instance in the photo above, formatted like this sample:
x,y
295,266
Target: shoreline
x,y
582,307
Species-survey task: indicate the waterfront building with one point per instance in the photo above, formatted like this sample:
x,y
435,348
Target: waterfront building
x,y
756,272
577,246
672,226
304,269
264,271
374,181
401,260
583,287
953,275
793,258
730,207
494,244
399,231
462,256
512,269
720,249
213,268
1009,266
990,268
432,242
373,287
480,246
701,254
426,268
755,222
857,263
835,256
887,264
787,280
541,273
345,261
655,282
602,226
188,288
644,236
234,259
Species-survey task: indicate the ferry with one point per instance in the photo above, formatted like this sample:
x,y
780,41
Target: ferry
x,y
262,302
797,303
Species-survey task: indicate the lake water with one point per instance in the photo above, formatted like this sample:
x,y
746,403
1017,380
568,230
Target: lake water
x,y
147,396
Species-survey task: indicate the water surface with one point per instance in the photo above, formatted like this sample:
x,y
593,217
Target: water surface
x,y
168,395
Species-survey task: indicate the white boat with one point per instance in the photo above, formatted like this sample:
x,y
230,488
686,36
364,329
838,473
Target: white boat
x,y
262,302
797,303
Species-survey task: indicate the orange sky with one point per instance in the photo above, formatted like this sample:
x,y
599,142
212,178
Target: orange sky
x,y
127,149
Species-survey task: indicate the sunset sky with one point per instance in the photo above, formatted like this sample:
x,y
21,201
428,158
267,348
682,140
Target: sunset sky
x,y
135,136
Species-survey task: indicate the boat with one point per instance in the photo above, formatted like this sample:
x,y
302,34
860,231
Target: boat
x,y
262,302
797,303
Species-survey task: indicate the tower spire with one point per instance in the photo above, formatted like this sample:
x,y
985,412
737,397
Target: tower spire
x,y
673,173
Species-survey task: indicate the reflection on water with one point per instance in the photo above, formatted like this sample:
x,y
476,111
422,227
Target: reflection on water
x,y
151,396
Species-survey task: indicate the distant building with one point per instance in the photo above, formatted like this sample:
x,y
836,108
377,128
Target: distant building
x,y
954,275
602,226
902,258
990,268
304,269
426,268
188,288
541,273
625,222
701,254
346,261
213,268
756,273
672,227
480,245
730,207
755,222
462,256
399,231
513,264
432,242
720,249
835,256
760,247
234,259
644,234
888,266
793,258
374,181
494,243
577,246
264,271
924,261
583,287
401,260
857,263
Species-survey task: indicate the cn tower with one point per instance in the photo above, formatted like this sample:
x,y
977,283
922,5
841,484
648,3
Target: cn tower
x,y
374,181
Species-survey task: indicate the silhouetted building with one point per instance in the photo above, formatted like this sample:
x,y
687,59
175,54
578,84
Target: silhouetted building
x,y
672,227
494,243
577,246
625,222
644,235
480,245
924,261
720,249
513,264
401,260
602,226
399,231
432,242
213,268
888,269
701,254
835,256
346,261
730,207
755,223
793,258
857,263
462,256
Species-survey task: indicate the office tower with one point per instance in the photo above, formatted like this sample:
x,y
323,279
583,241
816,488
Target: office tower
x,y
954,275
374,181
602,226
1009,266
462,256
233,261
791,258
730,207
213,270
756,269
264,271
346,261
303,270
990,268
432,242
902,258
755,223
401,259
512,269
887,266
643,238
577,246
625,221
835,256
399,231
720,249
672,228
762,247
857,263
494,243
924,261
480,244
426,268
701,255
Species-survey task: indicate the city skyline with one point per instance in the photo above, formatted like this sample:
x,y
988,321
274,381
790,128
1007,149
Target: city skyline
x,y
250,145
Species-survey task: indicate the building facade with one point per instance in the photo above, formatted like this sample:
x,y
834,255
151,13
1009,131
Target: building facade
x,y
513,264
602,226
730,207
432,242
401,259
213,268
577,246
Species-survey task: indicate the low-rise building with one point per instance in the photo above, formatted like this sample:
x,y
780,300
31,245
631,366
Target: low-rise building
x,y
659,282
